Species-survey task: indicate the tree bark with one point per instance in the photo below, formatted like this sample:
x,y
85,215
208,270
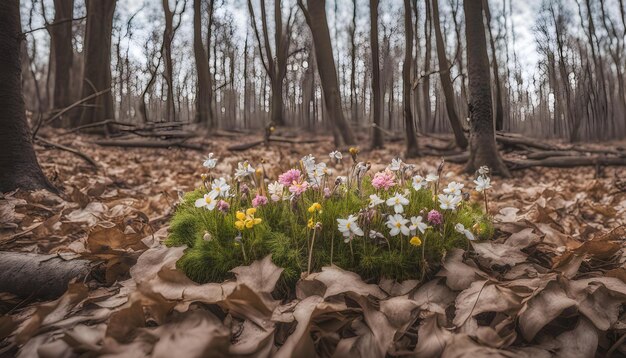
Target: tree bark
x,y
315,13
97,71
203,104
168,38
377,134
61,41
446,82
18,163
482,141
499,115
411,137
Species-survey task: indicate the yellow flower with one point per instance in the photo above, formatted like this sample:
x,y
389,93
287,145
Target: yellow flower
x,y
476,228
315,207
353,151
415,241
310,224
246,220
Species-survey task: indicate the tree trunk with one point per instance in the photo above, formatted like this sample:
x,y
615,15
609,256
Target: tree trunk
x,y
318,23
426,83
61,41
446,82
499,117
97,71
482,141
377,134
18,163
411,137
203,104
354,98
168,37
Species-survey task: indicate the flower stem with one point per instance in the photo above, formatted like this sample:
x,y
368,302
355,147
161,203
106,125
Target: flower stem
x,y
243,251
486,202
332,247
308,270
423,259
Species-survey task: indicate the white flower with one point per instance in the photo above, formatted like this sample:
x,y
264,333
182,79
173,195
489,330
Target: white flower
x,y
208,201
376,235
349,227
336,155
484,170
419,182
308,162
417,224
220,187
396,164
375,200
316,172
482,183
454,188
432,177
276,191
243,170
448,202
397,224
398,201
462,230
210,162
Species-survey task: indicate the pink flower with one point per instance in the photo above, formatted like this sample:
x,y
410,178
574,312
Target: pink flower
x,y
259,200
288,177
384,180
298,188
327,193
223,206
435,217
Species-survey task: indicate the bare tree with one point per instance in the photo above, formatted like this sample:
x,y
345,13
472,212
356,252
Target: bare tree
x,y
482,141
377,135
18,163
499,115
168,39
446,81
97,71
275,66
61,42
203,99
411,137
315,14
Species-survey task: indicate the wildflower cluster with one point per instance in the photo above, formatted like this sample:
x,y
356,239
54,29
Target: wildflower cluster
x,y
394,223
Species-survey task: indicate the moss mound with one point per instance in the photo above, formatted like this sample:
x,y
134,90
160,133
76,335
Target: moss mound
x,y
287,227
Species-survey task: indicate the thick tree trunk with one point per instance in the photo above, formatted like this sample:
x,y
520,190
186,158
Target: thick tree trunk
x,y
277,105
61,41
426,105
411,137
318,23
39,276
97,71
354,98
482,141
499,115
446,82
377,133
18,163
203,103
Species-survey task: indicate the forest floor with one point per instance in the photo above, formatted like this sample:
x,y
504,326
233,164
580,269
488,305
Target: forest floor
x,y
551,283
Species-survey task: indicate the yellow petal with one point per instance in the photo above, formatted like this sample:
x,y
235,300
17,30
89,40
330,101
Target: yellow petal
x,y
251,211
240,215
239,225
415,241
257,221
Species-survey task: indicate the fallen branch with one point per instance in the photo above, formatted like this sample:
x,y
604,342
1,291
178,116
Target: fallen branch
x,y
97,124
565,162
132,143
526,142
39,276
87,158
249,145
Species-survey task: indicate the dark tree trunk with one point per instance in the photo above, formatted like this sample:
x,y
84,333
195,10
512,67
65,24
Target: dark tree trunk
x,y
499,116
97,71
61,41
446,82
168,38
482,141
377,134
203,102
354,99
411,137
18,162
315,13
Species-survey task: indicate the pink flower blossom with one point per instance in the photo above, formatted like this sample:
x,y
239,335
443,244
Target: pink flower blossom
x,y
384,180
327,193
435,217
259,200
223,206
290,176
298,188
